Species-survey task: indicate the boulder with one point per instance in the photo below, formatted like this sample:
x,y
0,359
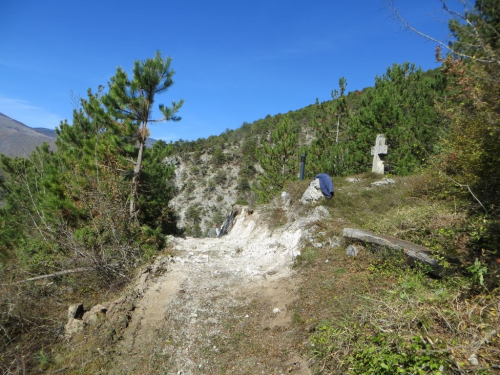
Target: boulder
x,y
94,315
352,251
75,323
72,327
76,311
313,193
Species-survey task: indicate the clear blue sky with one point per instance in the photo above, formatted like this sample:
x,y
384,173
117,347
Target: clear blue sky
x,y
235,60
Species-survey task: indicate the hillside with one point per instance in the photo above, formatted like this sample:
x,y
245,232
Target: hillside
x,y
17,139
279,294
106,267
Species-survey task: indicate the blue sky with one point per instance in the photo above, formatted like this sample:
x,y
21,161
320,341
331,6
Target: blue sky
x,y
235,61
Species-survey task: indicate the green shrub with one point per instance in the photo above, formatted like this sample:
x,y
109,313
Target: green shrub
x,y
220,177
390,354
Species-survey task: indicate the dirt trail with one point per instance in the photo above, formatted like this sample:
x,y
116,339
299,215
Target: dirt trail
x,y
220,305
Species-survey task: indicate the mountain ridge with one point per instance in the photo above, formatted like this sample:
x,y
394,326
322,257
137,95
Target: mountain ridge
x,y
18,139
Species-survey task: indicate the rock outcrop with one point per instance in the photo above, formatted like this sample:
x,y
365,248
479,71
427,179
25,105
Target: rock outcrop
x,y
313,193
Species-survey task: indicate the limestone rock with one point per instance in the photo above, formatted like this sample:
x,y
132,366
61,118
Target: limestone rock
x,y
174,160
313,193
72,327
352,251
319,213
94,315
75,311
335,241
75,323
353,180
473,360
384,181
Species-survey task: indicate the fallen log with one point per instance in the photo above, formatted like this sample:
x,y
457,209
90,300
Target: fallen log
x,y
60,273
413,251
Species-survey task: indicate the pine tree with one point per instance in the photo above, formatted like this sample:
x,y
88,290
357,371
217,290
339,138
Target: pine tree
x,y
131,101
75,198
328,152
157,188
401,106
278,158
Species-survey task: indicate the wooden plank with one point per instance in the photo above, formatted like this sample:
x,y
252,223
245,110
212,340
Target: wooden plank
x,y
413,251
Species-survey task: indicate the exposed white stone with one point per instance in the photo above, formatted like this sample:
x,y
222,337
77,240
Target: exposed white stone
x,y
352,251
384,181
313,193
473,360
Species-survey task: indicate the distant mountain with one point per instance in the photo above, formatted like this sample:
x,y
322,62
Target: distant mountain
x,y
48,132
18,139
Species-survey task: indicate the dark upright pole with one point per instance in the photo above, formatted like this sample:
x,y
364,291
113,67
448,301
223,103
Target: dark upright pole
x,y
302,166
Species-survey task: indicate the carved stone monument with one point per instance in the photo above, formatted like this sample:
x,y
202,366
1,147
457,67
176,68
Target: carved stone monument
x,y
378,152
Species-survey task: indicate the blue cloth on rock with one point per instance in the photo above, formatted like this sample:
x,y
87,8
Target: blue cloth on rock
x,y
325,184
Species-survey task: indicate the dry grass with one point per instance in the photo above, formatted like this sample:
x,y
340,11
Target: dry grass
x,y
345,302
33,315
376,304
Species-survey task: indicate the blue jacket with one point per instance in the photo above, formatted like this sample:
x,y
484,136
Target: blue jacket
x,y
325,184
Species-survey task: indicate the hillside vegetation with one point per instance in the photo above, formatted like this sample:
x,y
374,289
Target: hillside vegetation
x,y
87,214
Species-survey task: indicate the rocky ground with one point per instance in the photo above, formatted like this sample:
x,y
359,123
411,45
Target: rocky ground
x,y
216,305
198,187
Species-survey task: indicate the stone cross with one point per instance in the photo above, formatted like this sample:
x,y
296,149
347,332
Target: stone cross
x,y
378,153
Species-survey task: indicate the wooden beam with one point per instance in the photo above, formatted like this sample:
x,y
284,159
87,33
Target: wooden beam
x,y
413,251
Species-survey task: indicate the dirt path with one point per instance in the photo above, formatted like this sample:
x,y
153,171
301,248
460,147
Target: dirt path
x,y
218,306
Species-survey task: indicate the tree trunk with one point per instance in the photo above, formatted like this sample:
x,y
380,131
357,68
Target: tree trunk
x,y
137,171
337,136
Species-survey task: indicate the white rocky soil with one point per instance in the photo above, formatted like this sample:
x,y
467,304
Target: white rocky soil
x,y
220,197
182,315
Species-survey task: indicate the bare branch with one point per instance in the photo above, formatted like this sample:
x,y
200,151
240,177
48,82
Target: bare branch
x,y
466,186
49,276
493,59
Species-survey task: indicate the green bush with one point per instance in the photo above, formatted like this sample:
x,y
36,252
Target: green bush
x,y
390,354
220,177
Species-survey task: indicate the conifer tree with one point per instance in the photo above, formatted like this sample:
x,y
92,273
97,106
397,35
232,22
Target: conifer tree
x,y
279,159
328,152
401,106
131,101
157,188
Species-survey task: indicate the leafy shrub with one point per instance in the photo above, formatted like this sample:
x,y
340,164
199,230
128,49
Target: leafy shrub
x,y
220,177
390,354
